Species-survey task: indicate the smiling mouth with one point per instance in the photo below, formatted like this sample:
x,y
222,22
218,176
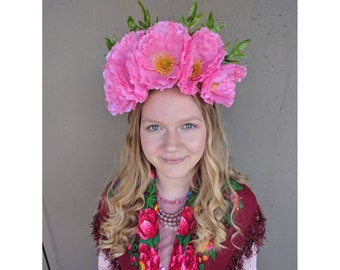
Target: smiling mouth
x,y
173,161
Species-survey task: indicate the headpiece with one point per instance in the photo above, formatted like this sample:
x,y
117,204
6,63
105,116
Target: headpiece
x,y
160,55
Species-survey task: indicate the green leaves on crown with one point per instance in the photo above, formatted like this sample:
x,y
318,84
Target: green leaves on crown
x,y
191,22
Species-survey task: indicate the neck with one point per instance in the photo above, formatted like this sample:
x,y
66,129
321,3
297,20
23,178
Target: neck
x,y
172,189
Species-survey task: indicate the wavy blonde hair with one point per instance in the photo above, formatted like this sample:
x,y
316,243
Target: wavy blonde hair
x,y
210,207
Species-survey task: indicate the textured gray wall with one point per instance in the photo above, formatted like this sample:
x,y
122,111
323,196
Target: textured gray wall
x,y
82,141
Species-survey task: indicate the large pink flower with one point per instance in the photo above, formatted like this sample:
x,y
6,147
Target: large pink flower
x,y
190,261
120,93
187,222
148,257
158,62
204,55
176,257
147,223
219,87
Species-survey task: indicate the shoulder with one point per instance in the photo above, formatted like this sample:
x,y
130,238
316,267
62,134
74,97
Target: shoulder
x,y
250,217
252,223
102,210
249,210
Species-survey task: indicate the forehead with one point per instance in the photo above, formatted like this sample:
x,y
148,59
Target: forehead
x,y
170,105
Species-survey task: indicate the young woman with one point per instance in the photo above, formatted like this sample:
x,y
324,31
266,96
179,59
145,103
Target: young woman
x,y
176,202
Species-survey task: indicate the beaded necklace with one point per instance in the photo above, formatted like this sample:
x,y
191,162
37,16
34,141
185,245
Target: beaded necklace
x,y
178,201
170,220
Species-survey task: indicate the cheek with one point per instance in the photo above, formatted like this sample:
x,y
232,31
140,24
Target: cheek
x,y
197,144
148,144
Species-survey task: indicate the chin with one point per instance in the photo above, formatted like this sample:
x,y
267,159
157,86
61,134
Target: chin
x,y
176,173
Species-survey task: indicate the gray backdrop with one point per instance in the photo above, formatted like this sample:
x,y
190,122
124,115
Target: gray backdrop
x,y
81,140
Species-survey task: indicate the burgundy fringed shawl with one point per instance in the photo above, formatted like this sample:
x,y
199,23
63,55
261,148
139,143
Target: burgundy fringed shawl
x,y
249,218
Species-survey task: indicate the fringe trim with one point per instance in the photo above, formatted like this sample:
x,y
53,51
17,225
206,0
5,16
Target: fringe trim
x,y
97,220
254,236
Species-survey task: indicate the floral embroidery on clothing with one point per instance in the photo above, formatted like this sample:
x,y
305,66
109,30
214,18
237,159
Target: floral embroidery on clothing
x,y
144,250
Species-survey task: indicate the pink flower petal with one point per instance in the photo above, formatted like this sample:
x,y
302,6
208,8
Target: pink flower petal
x,y
220,86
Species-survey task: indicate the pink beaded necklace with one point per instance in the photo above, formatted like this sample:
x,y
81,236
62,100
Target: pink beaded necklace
x,y
172,202
170,220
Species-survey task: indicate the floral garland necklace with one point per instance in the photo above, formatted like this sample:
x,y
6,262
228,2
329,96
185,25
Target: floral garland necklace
x,y
144,250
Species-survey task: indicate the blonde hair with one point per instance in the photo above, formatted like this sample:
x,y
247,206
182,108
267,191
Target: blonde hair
x,y
213,172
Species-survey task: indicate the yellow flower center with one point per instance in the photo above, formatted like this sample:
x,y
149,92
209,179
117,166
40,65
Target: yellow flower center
x,y
164,64
141,265
214,86
196,69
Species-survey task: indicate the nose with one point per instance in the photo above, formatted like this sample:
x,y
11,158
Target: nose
x,y
172,141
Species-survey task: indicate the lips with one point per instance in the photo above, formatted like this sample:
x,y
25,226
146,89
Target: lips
x,y
172,161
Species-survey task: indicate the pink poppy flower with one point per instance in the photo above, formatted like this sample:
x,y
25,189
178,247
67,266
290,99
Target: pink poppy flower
x,y
204,55
158,62
187,222
120,93
219,87
190,260
177,257
148,257
147,223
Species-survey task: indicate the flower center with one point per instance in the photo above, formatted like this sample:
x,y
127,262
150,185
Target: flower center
x,y
141,265
214,86
164,64
196,69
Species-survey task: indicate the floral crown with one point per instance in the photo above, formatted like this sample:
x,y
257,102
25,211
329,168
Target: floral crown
x,y
162,54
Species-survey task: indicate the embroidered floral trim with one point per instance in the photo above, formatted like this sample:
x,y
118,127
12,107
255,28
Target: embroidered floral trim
x,y
144,251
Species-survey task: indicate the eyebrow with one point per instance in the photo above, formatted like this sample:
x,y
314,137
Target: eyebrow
x,y
189,119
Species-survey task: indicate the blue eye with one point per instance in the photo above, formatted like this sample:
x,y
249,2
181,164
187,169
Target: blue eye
x,y
153,127
188,126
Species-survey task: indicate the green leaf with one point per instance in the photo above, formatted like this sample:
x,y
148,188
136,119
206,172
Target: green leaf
x,y
181,19
201,266
192,11
211,21
179,239
218,27
149,242
152,187
230,61
150,201
196,19
213,254
131,23
147,17
114,40
186,240
236,52
141,7
226,46
110,43
190,200
235,185
242,45
156,240
143,25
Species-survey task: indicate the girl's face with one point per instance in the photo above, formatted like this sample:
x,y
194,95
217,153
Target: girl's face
x,y
173,133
